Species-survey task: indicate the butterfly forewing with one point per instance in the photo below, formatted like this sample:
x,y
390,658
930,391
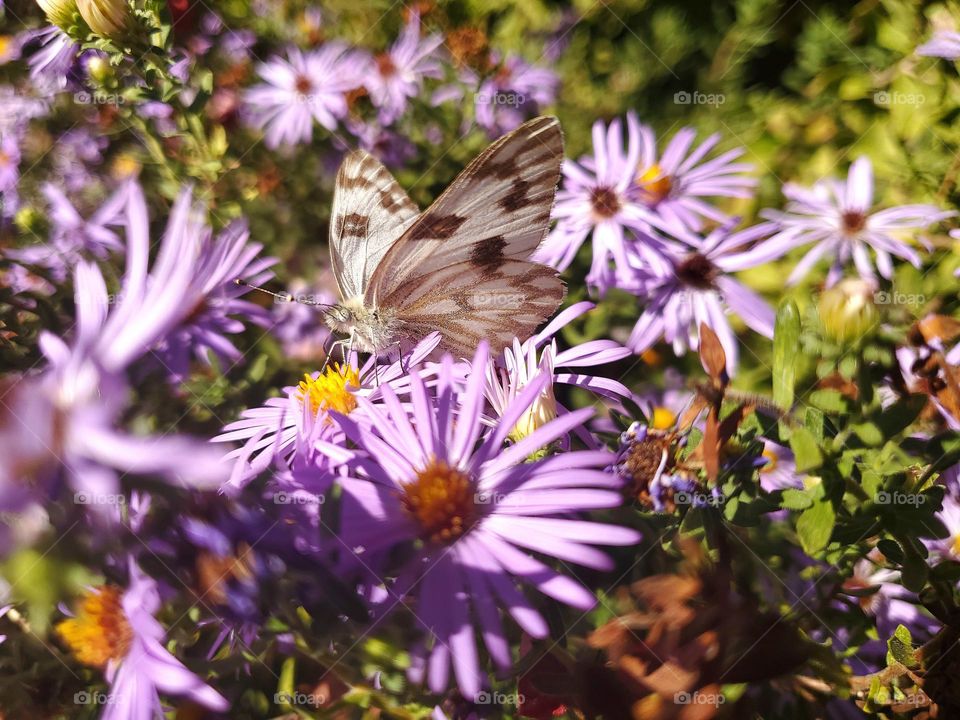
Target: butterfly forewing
x,y
497,210
370,213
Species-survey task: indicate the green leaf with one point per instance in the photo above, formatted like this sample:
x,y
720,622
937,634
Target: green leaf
x,y
831,401
870,433
891,550
786,340
900,648
794,499
285,685
815,525
806,451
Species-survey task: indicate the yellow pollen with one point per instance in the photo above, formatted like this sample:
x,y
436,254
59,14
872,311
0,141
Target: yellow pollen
x,y
663,419
955,548
771,464
441,500
328,391
5,42
100,631
654,183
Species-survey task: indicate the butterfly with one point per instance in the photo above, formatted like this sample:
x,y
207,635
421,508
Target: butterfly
x,y
462,266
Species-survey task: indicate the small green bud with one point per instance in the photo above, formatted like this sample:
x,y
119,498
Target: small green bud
x,y
847,310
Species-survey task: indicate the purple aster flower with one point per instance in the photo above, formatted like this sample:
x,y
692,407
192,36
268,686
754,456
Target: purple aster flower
x,y
115,630
779,470
512,372
11,46
9,175
398,73
71,237
77,151
471,511
54,61
948,548
17,107
214,304
306,87
674,184
699,289
270,432
393,149
839,219
82,394
891,604
514,93
596,200
943,44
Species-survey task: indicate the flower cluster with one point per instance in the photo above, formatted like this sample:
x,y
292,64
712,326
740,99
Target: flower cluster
x,y
719,481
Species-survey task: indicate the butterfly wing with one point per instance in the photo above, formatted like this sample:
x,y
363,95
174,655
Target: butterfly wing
x,y
370,213
496,211
467,304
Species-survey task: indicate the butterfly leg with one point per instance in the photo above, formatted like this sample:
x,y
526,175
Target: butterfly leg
x,y
342,343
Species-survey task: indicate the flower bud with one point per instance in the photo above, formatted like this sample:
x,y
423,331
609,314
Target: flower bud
x,y
98,69
107,18
847,310
62,13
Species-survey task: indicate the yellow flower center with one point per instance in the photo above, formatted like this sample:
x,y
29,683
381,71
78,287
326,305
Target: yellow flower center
x,y
663,419
5,42
654,183
771,457
100,632
329,390
955,548
441,500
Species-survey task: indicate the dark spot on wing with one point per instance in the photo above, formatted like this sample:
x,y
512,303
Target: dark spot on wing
x,y
488,254
436,228
516,197
503,170
352,225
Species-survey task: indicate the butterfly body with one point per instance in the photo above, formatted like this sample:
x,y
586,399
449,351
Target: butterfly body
x,y
462,266
371,330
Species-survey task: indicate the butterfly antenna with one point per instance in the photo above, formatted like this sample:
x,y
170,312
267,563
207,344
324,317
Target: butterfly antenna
x,y
284,296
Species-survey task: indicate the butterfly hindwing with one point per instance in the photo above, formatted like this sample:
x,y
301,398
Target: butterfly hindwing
x,y
496,211
468,303
370,212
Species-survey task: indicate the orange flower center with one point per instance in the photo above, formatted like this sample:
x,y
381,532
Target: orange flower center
x,y
441,500
654,184
100,632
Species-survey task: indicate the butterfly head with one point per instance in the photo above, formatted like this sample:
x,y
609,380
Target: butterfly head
x,y
373,330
